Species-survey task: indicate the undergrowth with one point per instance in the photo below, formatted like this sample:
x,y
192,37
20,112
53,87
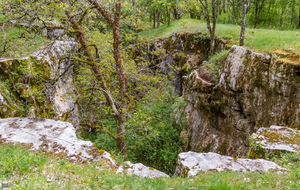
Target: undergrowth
x,y
152,139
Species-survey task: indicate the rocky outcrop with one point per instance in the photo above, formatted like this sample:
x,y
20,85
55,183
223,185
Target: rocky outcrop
x,y
191,163
274,141
140,170
39,85
185,51
51,136
254,90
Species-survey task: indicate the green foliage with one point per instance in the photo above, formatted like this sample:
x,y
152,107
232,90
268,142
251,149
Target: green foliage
x,y
152,139
155,142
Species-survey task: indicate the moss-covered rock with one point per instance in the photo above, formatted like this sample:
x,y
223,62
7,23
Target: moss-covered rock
x,y
272,141
254,90
39,85
180,53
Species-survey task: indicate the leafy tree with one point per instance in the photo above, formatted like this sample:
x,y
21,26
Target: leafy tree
x,y
118,81
205,10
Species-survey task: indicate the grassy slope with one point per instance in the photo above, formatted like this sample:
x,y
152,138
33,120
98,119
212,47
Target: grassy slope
x,y
264,40
27,170
17,46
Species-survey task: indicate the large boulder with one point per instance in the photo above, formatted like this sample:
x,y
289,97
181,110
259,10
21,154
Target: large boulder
x,y
51,136
140,170
191,163
273,141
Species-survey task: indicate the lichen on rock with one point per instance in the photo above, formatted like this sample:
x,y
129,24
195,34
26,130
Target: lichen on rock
x,y
51,136
40,85
274,141
253,91
191,163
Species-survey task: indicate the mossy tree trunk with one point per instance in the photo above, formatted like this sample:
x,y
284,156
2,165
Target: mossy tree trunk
x,y
119,113
215,5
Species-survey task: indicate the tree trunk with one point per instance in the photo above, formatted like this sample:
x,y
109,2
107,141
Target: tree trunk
x,y
233,10
175,13
158,17
154,19
119,115
121,141
256,17
192,14
258,8
282,14
244,22
293,11
169,18
299,20
215,12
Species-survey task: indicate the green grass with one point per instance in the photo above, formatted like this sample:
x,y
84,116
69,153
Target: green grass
x,y
19,46
25,169
264,40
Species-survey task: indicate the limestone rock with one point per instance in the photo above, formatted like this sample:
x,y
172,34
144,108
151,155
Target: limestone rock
x,y
3,104
254,90
183,50
274,140
190,163
50,136
140,170
40,82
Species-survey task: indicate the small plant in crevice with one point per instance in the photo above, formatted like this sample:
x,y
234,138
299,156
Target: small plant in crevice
x,y
215,64
255,150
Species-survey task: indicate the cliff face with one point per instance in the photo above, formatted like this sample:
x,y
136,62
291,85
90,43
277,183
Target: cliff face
x,y
182,51
254,90
39,85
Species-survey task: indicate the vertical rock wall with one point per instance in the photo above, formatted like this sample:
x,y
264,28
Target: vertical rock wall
x,y
255,90
39,85
185,51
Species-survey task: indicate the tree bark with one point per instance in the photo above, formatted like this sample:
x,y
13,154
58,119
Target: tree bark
x,y
299,20
244,22
154,19
293,12
158,17
233,11
258,8
281,16
175,13
120,116
211,29
169,17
